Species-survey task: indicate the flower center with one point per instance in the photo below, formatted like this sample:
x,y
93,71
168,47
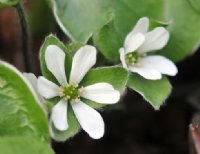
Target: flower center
x,y
71,92
132,58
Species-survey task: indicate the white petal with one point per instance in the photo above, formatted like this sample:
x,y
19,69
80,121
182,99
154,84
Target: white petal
x,y
55,61
59,115
89,119
155,40
141,26
47,88
133,42
122,57
83,60
103,93
161,64
147,73
33,81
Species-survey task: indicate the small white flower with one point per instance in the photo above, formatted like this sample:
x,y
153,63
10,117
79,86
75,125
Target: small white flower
x,y
136,46
71,92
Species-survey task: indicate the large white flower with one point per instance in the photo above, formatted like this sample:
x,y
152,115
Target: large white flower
x,y
71,93
136,46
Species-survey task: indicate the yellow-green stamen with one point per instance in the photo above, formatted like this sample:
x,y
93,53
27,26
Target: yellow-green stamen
x,y
70,92
132,58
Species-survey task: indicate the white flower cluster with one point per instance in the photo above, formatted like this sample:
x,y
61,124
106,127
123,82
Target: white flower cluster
x,y
134,57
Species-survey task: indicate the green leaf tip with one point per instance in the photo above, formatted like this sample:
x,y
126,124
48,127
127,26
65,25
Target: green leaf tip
x,y
153,91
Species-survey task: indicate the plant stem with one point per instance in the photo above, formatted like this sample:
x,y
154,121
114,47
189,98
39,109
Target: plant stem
x,y
25,37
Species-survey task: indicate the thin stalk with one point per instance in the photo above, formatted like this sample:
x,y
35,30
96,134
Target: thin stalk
x,y
25,37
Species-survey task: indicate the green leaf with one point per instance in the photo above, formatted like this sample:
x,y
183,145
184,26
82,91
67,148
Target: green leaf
x,y
92,15
79,19
153,91
20,113
72,121
108,41
116,76
20,145
6,3
185,38
195,4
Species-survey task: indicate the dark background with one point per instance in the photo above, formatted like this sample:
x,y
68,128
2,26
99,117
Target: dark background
x,y
132,126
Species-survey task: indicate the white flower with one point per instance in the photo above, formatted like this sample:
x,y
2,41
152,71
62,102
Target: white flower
x,y
136,46
71,93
